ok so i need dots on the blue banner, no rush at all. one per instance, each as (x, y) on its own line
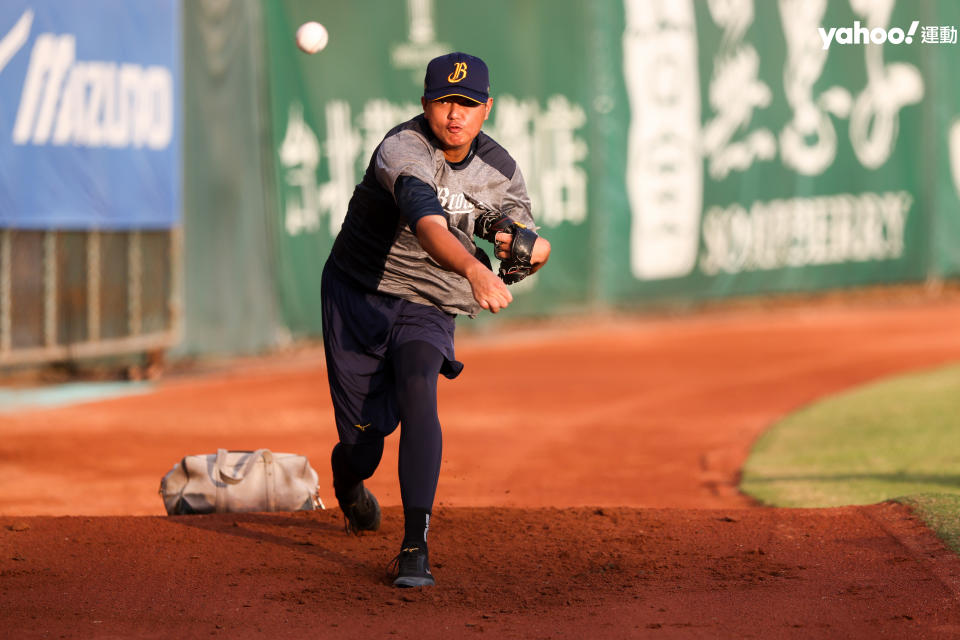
(90, 114)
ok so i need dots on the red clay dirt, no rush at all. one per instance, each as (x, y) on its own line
(588, 490)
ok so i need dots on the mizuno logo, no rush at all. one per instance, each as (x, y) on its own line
(459, 72)
(87, 103)
(362, 427)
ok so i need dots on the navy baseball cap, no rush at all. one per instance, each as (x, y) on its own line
(457, 74)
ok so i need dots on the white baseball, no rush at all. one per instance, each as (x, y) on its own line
(312, 37)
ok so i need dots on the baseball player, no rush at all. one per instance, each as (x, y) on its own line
(403, 266)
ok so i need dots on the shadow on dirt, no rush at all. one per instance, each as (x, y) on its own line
(302, 532)
(952, 481)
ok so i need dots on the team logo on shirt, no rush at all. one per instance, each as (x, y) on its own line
(453, 202)
(459, 72)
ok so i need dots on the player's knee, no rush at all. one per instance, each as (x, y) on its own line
(417, 366)
(418, 385)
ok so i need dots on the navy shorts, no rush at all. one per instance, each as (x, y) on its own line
(360, 331)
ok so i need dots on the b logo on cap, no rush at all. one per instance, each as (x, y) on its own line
(459, 72)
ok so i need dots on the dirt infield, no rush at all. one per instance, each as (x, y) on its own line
(588, 490)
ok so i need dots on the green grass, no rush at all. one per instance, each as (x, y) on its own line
(940, 512)
(896, 439)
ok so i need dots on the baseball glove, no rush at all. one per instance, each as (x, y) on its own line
(489, 222)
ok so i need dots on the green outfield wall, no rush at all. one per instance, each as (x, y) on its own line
(674, 151)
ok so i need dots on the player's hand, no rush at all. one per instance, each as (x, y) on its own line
(488, 290)
(538, 257)
(501, 245)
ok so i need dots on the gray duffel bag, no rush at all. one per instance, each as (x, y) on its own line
(240, 481)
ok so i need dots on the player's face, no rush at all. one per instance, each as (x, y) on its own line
(456, 121)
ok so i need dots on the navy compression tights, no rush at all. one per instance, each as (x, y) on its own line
(416, 367)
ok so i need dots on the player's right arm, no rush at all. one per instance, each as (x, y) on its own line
(420, 208)
(436, 239)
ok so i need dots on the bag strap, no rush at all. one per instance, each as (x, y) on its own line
(271, 480)
(221, 473)
(237, 477)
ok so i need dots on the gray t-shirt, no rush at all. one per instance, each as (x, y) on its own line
(376, 247)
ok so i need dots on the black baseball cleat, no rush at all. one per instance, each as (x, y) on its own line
(362, 515)
(412, 567)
